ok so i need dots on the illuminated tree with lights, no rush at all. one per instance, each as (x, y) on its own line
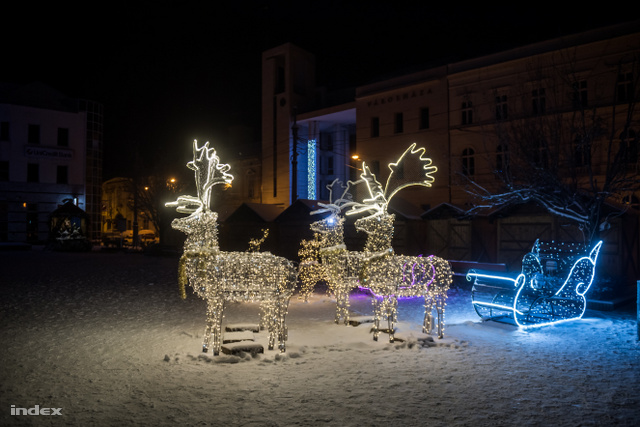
(219, 277)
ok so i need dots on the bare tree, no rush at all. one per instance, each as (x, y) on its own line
(150, 195)
(572, 157)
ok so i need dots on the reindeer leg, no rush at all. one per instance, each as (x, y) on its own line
(207, 334)
(214, 320)
(392, 309)
(440, 308)
(282, 325)
(217, 326)
(377, 313)
(427, 325)
(345, 304)
(338, 305)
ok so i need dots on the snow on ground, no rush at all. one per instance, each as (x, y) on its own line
(105, 337)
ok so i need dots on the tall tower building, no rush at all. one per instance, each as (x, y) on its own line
(288, 76)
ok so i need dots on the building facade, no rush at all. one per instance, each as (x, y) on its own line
(463, 113)
(50, 153)
(453, 110)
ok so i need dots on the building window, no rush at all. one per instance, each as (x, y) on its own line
(540, 154)
(467, 113)
(326, 141)
(4, 171)
(502, 159)
(62, 175)
(629, 147)
(33, 135)
(581, 153)
(4, 131)
(63, 137)
(375, 127)
(538, 102)
(625, 87)
(375, 167)
(468, 162)
(33, 172)
(398, 123)
(424, 118)
(580, 94)
(501, 107)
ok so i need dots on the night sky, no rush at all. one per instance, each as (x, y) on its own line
(170, 72)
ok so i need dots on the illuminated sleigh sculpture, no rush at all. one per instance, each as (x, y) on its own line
(217, 276)
(389, 276)
(551, 287)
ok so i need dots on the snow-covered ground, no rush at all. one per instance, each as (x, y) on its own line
(106, 338)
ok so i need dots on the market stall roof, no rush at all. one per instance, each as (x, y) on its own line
(69, 209)
(255, 212)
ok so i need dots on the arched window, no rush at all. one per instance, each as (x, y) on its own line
(468, 162)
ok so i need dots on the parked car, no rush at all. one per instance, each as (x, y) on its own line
(145, 237)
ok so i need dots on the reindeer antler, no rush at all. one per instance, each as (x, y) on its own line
(208, 172)
(343, 201)
(410, 169)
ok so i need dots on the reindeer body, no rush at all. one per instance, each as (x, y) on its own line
(341, 267)
(389, 276)
(219, 277)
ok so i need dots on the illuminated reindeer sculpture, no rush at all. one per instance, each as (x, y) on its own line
(389, 276)
(340, 266)
(220, 277)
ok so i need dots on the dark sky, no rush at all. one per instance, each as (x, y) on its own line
(170, 72)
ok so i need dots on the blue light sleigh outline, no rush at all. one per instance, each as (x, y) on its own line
(537, 297)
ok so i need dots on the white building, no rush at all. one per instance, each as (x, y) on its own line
(50, 153)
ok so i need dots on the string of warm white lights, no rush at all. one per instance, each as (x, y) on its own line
(219, 277)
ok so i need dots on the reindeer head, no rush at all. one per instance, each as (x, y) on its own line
(201, 220)
(331, 228)
(411, 169)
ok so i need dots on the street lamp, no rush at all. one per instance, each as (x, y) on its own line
(171, 184)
